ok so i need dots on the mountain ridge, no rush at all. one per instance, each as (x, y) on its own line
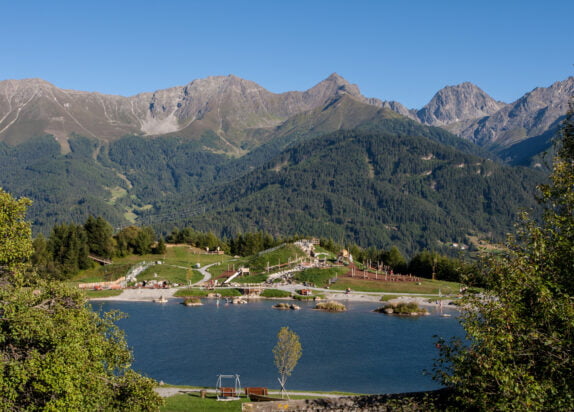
(234, 114)
(33, 107)
(530, 116)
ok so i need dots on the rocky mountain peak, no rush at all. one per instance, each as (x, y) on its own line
(458, 103)
(533, 115)
(336, 85)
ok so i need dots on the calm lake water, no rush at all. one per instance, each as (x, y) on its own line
(356, 351)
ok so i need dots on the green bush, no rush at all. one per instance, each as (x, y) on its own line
(403, 308)
(191, 300)
(301, 297)
(331, 306)
(275, 293)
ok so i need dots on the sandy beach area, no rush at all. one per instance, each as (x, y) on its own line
(142, 295)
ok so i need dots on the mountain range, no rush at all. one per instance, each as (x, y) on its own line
(237, 115)
(224, 154)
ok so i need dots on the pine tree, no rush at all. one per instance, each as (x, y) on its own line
(100, 240)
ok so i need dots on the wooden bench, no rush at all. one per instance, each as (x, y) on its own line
(255, 391)
(227, 392)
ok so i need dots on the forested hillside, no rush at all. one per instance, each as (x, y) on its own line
(62, 187)
(381, 180)
(370, 188)
(116, 181)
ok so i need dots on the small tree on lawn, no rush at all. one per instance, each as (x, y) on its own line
(287, 353)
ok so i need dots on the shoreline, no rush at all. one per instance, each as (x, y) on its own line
(141, 295)
(149, 295)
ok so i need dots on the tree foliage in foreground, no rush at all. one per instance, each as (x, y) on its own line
(15, 233)
(520, 353)
(56, 353)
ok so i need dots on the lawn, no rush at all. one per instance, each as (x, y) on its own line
(275, 293)
(427, 286)
(320, 277)
(176, 256)
(103, 273)
(102, 293)
(258, 263)
(173, 274)
(186, 255)
(192, 402)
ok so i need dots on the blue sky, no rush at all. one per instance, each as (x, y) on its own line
(393, 50)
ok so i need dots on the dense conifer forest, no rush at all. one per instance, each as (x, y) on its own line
(391, 182)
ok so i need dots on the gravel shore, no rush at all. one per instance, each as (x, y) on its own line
(142, 295)
(148, 295)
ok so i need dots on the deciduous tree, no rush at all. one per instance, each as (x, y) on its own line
(520, 350)
(287, 353)
(15, 233)
(55, 352)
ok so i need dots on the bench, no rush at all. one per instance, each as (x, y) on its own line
(227, 392)
(256, 391)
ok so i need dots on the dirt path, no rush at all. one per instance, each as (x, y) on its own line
(205, 273)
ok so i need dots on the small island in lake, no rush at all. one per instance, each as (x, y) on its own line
(331, 306)
(403, 308)
(192, 301)
(286, 306)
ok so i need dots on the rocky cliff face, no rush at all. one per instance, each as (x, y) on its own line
(535, 113)
(454, 104)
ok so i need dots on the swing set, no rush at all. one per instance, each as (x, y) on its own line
(228, 393)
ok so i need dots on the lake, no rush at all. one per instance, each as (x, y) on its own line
(354, 351)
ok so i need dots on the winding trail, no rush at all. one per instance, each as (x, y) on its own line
(205, 273)
(146, 295)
